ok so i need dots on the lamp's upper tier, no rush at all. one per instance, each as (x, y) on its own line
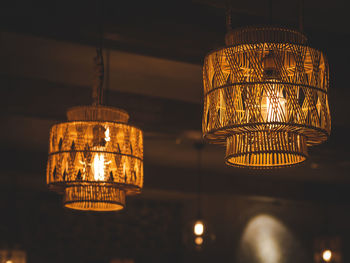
(253, 35)
(97, 113)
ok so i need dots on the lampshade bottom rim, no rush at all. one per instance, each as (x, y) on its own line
(94, 206)
(230, 160)
(266, 149)
(94, 198)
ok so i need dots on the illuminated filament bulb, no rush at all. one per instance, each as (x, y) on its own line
(99, 167)
(327, 255)
(107, 138)
(273, 102)
(273, 106)
(198, 228)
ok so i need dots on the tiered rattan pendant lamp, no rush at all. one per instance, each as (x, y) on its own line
(266, 97)
(96, 157)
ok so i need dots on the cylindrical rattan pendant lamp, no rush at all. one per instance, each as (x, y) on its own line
(266, 97)
(96, 157)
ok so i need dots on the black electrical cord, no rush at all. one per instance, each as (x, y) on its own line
(199, 147)
(97, 92)
(228, 15)
(270, 11)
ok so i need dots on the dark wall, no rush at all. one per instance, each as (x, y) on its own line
(264, 230)
(146, 231)
(153, 228)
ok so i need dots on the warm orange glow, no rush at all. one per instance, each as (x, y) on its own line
(265, 97)
(273, 107)
(9, 261)
(265, 149)
(198, 241)
(99, 167)
(107, 138)
(327, 255)
(198, 228)
(95, 159)
(109, 199)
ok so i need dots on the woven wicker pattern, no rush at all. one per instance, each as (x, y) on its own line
(91, 155)
(99, 112)
(255, 149)
(266, 86)
(94, 197)
(252, 35)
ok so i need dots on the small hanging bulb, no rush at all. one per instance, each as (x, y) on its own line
(99, 167)
(273, 103)
(327, 255)
(107, 138)
(198, 228)
(198, 241)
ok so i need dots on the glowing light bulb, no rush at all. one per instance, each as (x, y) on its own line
(198, 241)
(273, 106)
(99, 167)
(327, 255)
(9, 261)
(198, 228)
(107, 138)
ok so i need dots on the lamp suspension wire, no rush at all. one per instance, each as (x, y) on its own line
(199, 146)
(97, 91)
(107, 75)
(228, 15)
(301, 15)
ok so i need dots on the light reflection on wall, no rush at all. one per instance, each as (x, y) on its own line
(266, 240)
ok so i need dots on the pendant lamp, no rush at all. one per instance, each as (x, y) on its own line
(95, 157)
(266, 97)
(199, 227)
(199, 233)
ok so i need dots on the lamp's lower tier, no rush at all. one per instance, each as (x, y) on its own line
(94, 197)
(265, 149)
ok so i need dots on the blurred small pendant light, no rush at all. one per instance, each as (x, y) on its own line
(202, 233)
(12, 252)
(266, 96)
(199, 227)
(13, 256)
(96, 157)
(328, 245)
(327, 249)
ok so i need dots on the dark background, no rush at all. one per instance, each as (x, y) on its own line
(155, 51)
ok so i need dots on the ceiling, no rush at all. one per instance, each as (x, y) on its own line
(155, 50)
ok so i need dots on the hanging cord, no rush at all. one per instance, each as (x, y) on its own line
(97, 90)
(199, 146)
(301, 15)
(107, 75)
(13, 223)
(228, 15)
(327, 226)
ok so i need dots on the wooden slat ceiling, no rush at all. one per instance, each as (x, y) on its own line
(156, 50)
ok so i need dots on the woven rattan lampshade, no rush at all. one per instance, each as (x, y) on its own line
(266, 97)
(95, 159)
